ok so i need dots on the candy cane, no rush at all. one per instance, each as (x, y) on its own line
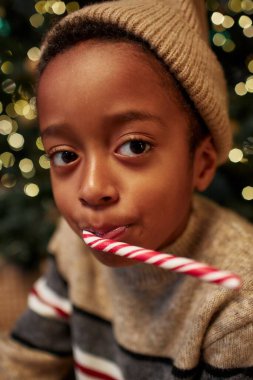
(164, 260)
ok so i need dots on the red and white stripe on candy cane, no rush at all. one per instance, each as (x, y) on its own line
(164, 260)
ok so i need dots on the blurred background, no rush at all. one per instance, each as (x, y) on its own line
(27, 211)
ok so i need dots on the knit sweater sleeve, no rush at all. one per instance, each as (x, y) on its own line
(228, 346)
(231, 356)
(39, 345)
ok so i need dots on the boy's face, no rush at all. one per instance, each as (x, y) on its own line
(118, 144)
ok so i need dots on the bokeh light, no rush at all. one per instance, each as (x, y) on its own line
(44, 162)
(217, 18)
(7, 67)
(39, 144)
(228, 22)
(37, 20)
(235, 155)
(235, 5)
(58, 7)
(245, 21)
(27, 168)
(5, 125)
(240, 89)
(16, 141)
(8, 159)
(247, 193)
(31, 190)
(219, 39)
(8, 86)
(8, 180)
(250, 66)
(72, 6)
(34, 54)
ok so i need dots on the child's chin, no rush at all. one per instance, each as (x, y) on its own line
(112, 260)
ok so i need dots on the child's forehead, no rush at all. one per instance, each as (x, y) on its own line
(134, 58)
(106, 79)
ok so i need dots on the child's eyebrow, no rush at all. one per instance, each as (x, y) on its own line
(118, 118)
(53, 130)
(133, 115)
(122, 118)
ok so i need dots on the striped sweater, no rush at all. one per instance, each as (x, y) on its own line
(88, 321)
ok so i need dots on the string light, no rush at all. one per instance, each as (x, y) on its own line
(250, 66)
(240, 89)
(16, 141)
(37, 20)
(34, 54)
(39, 144)
(26, 167)
(72, 6)
(249, 84)
(235, 5)
(7, 159)
(248, 32)
(245, 21)
(247, 193)
(219, 39)
(8, 86)
(14, 125)
(7, 67)
(44, 162)
(8, 180)
(229, 46)
(32, 103)
(247, 5)
(228, 22)
(19, 106)
(59, 7)
(217, 18)
(5, 126)
(31, 190)
(235, 155)
(40, 7)
(10, 110)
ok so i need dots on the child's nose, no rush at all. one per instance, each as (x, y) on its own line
(97, 187)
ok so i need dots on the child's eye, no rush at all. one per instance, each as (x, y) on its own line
(134, 148)
(63, 158)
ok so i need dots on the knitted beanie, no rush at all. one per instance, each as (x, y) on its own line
(178, 32)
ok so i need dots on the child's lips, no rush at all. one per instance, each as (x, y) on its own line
(108, 233)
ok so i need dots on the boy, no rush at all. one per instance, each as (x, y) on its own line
(132, 113)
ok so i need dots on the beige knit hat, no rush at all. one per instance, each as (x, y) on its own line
(177, 30)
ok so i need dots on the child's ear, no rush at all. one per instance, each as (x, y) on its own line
(205, 163)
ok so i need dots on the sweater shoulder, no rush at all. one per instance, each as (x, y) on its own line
(226, 239)
(227, 244)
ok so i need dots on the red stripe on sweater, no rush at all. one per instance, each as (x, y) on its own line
(92, 372)
(59, 311)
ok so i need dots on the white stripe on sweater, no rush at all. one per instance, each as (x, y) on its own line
(51, 297)
(40, 308)
(96, 363)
